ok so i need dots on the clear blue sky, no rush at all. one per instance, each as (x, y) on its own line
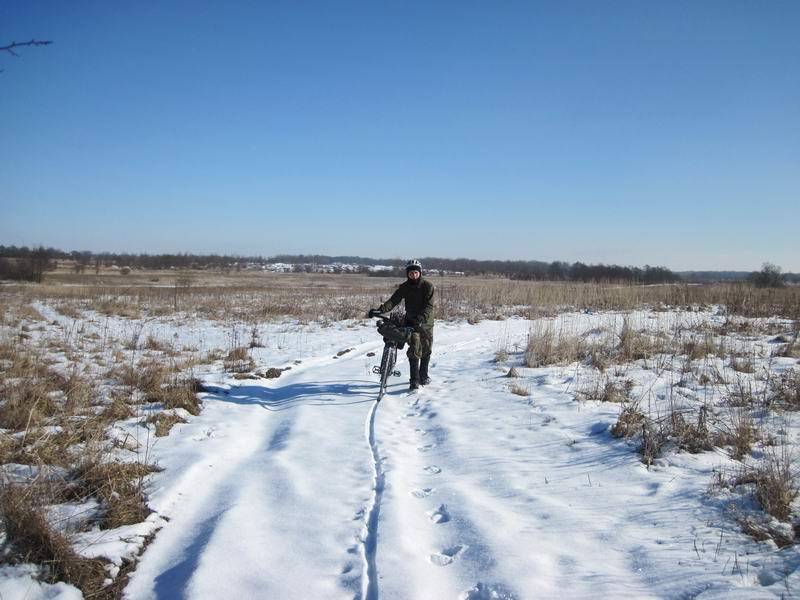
(640, 132)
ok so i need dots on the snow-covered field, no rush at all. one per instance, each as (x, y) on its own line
(303, 487)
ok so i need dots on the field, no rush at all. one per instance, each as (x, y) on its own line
(109, 383)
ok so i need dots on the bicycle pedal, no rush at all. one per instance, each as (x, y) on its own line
(396, 373)
(376, 369)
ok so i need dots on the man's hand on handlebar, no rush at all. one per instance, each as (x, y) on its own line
(373, 312)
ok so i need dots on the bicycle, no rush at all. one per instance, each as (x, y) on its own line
(395, 336)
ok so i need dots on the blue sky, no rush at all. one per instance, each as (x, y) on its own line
(662, 133)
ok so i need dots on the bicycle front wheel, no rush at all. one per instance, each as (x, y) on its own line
(387, 364)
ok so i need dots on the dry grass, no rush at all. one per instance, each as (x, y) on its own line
(159, 382)
(785, 390)
(738, 432)
(164, 422)
(519, 390)
(629, 423)
(697, 348)
(547, 347)
(238, 360)
(694, 437)
(32, 540)
(636, 345)
(119, 486)
(775, 483)
(603, 389)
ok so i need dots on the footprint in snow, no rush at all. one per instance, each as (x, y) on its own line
(432, 470)
(422, 493)
(440, 515)
(446, 556)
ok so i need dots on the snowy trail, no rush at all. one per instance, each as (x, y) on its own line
(304, 487)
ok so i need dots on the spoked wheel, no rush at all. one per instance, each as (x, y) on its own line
(387, 366)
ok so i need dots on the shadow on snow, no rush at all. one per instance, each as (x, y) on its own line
(326, 393)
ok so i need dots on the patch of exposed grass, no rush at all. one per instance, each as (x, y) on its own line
(785, 390)
(737, 432)
(119, 486)
(601, 389)
(164, 422)
(238, 360)
(629, 423)
(547, 347)
(32, 540)
(519, 390)
(775, 483)
(635, 345)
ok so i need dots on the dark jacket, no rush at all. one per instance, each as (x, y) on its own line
(419, 301)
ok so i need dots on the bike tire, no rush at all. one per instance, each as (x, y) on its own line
(386, 369)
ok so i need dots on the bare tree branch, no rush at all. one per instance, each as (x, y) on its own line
(12, 45)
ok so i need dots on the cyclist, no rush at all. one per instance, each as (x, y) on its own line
(418, 295)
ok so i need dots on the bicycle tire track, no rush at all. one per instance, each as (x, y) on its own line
(369, 587)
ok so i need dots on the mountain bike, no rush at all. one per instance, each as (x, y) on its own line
(395, 336)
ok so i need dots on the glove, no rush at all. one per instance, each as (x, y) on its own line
(373, 312)
(412, 322)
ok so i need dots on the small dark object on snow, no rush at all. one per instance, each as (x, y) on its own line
(342, 352)
(272, 373)
(370, 354)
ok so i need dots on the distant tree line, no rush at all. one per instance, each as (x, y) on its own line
(30, 264)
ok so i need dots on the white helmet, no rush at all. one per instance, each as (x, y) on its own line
(414, 265)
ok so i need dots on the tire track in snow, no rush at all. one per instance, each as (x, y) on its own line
(369, 585)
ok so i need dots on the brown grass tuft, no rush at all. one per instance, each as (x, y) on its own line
(239, 360)
(629, 423)
(120, 486)
(32, 539)
(519, 390)
(546, 347)
(164, 422)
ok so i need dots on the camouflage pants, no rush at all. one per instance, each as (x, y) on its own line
(420, 344)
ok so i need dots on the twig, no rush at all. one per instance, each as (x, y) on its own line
(12, 45)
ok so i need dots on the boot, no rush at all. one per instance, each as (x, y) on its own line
(413, 383)
(423, 371)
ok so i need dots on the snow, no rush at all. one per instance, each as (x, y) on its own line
(304, 487)
(271, 491)
(19, 582)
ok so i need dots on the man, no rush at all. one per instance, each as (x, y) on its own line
(417, 292)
